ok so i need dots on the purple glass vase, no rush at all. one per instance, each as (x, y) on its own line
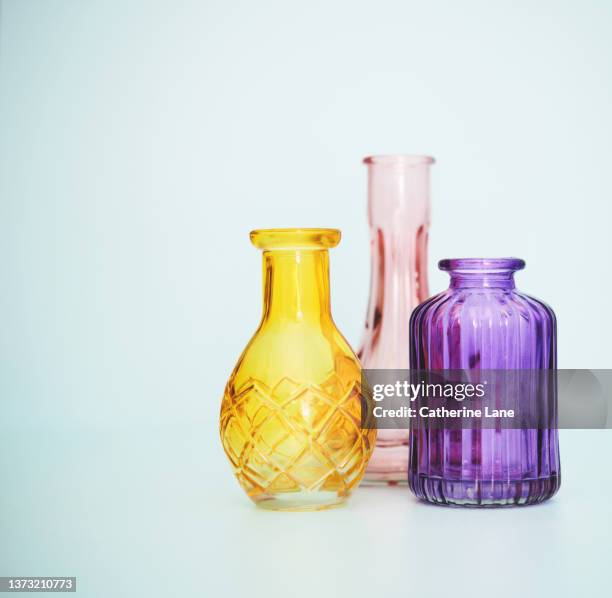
(483, 323)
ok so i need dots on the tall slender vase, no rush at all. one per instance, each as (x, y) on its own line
(291, 412)
(398, 213)
(484, 326)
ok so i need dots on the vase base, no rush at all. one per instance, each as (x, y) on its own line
(299, 501)
(388, 466)
(384, 479)
(483, 494)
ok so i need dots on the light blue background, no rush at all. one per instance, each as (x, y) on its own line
(140, 141)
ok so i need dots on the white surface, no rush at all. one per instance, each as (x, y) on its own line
(144, 513)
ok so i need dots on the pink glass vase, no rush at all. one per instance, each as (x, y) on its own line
(398, 213)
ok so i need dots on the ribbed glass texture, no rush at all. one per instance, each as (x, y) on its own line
(483, 322)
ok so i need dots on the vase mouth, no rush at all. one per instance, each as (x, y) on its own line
(270, 239)
(399, 160)
(481, 265)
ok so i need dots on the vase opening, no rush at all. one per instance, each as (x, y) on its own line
(272, 239)
(399, 160)
(482, 272)
(296, 273)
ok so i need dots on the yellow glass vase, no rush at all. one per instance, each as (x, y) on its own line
(291, 412)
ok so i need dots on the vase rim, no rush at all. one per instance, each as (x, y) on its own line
(295, 238)
(481, 264)
(399, 159)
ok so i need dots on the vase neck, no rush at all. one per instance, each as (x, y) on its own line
(484, 280)
(485, 273)
(296, 285)
(398, 190)
(398, 213)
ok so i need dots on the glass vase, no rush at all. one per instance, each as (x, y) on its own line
(291, 411)
(483, 324)
(398, 214)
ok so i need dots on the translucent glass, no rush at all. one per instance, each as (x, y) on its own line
(398, 213)
(291, 412)
(483, 323)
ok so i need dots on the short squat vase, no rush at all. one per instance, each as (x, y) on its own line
(482, 325)
(291, 413)
(398, 214)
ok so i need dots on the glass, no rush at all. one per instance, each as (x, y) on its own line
(291, 412)
(483, 323)
(398, 214)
